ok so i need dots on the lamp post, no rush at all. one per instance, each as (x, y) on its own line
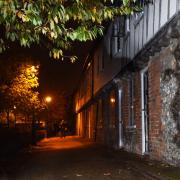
(48, 100)
(14, 115)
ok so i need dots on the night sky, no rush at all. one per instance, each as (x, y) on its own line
(55, 76)
(62, 76)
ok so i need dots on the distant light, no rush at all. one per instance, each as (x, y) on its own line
(112, 100)
(14, 107)
(89, 64)
(43, 124)
(48, 99)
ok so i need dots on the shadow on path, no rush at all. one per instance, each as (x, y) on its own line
(75, 158)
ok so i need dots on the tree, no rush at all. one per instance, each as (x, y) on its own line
(22, 89)
(57, 23)
(6, 76)
(19, 88)
(24, 93)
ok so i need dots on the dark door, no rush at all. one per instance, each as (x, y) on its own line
(146, 116)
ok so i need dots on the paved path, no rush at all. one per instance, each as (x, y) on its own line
(72, 159)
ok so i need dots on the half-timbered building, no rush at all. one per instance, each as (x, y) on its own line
(129, 94)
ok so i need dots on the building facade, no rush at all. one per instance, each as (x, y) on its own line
(129, 96)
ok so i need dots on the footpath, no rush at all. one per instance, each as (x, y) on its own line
(149, 169)
(74, 158)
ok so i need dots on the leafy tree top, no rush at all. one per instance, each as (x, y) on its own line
(57, 23)
(19, 85)
(23, 88)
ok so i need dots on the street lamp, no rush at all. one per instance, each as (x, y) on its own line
(48, 99)
(14, 115)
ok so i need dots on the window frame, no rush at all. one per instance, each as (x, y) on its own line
(131, 92)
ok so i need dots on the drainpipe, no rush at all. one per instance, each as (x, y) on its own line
(117, 82)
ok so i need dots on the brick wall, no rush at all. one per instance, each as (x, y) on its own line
(137, 112)
(105, 123)
(125, 110)
(132, 135)
(113, 102)
(154, 71)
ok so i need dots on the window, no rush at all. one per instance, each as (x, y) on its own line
(131, 102)
(118, 32)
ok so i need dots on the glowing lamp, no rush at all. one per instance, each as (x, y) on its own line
(48, 99)
(112, 100)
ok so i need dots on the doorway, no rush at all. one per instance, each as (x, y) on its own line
(144, 111)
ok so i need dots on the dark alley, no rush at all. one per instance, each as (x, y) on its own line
(74, 158)
(89, 90)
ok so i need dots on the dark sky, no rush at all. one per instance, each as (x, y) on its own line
(58, 75)
(55, 75)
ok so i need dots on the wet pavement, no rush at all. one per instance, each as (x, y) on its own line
(73, 158)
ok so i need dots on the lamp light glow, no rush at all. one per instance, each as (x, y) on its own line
(112, 100)
(48, 99)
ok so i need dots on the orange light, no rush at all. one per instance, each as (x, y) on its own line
(43, 123)
(48, 99)
(112, 100)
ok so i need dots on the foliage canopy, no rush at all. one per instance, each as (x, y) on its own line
(22, 88)
(19, 87)
(57, 23)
